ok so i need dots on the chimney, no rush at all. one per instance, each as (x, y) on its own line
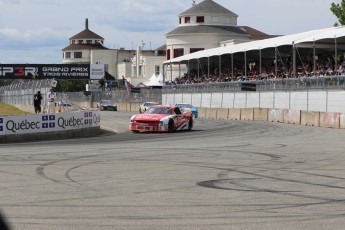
(193, 4)
(86, 24)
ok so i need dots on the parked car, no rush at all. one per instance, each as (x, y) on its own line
(107, 105)
(162, 118)
(143, 107)
(185, 106)
(64, 103)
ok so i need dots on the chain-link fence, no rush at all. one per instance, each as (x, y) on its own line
(117, 96)
(287, 84)
(22, 92)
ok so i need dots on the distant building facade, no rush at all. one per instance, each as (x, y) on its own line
(87, 47)
(204, 26)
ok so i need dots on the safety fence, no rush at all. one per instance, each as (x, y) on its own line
(209, 95)
(286, 84)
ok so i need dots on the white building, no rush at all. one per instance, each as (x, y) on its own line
(204, 26)
(87, 47)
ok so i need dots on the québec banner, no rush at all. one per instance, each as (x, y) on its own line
(52, 71)
(12, 125)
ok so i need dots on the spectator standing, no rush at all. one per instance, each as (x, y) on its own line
(102, 82)
(37, 102)
(51, 101)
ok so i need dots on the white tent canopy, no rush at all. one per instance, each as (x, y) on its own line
(305, 37)
(155, 80)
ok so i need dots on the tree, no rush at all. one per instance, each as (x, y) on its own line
(71, 85)
(339, 11)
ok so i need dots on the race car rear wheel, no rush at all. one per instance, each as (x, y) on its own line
(171, 126)
(190, 124)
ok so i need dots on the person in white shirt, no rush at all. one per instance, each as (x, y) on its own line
(51, 101)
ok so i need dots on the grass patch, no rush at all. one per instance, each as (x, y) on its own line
(6, 109)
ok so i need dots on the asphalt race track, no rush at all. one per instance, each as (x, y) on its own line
(221, 175)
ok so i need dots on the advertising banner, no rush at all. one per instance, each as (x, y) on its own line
(97, 71)
(52, 71)
(12, 125)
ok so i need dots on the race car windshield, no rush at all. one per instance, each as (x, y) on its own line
(159, 110)
(186, 106)
(150, 104)
(106, 102)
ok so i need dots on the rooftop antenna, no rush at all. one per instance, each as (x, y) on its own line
(86, 24)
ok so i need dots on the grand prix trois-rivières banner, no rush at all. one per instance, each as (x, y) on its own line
(52, 71)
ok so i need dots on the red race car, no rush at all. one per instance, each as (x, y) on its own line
(161, 118)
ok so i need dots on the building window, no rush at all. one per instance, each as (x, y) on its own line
(180, 20)
(80, 41)
(187, 20)
(141, 71)
(73, 42)
(157, 70)
(67, 54)
(78, 55)
(200, 19)
(88, 41)
(134, 71)
(168, 54)
(178, 52)
(193, 50)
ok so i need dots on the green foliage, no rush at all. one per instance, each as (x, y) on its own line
(71, 85)
(339, 11)
(5, 82)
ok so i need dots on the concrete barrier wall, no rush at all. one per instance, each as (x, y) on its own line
(330, 120)
(121, 107)
(133, 107)
(59, 135)
(260, 114)
(342, 120)
(211, 113)
(292, 116)
(247, 114)
(234, 114)
(223, 114)
(310, 118)
(276, 115)
(202, 112)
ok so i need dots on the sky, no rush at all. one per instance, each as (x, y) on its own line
(36, 31)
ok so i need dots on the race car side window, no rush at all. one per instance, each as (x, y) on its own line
(177, 110)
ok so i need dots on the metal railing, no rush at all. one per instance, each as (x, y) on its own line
(287, 84)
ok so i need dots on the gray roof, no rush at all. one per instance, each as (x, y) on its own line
(202, 29)
(208, 7)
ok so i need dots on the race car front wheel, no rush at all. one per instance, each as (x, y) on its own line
(190, 124)
(171, 126)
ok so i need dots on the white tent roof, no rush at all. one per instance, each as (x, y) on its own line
(309, 36)
(155, 80)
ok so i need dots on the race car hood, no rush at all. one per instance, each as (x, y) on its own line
(150, 117)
